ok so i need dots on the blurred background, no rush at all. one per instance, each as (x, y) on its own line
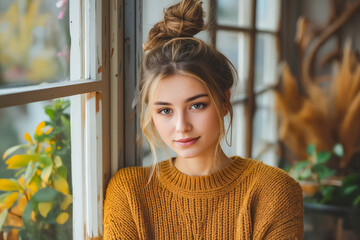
(296, 104)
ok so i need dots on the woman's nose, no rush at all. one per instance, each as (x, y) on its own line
(182, 123)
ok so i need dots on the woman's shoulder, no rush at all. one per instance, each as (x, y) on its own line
(266, 175)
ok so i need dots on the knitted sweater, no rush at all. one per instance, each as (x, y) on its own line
(245, 200)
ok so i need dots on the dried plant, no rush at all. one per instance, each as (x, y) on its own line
(321, 114)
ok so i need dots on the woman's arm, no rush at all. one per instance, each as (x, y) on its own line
(118, 221)
(280, 210)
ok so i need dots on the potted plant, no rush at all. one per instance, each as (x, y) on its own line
(328, 197)
(313, 172)
(36, 201)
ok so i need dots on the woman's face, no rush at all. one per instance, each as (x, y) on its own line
(185, 117)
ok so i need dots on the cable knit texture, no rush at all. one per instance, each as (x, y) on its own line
(245, 200)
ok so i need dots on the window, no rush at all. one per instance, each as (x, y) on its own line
(38, 68)
(247, 32)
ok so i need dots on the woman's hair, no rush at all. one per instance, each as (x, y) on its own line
(172, 49)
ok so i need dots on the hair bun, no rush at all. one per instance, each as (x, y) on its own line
(184, 19)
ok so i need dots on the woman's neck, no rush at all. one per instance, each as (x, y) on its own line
(202, 166)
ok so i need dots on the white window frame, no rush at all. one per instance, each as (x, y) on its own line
(97, 106)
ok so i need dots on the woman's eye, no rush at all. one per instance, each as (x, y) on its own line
(165, 111)
(198, 106)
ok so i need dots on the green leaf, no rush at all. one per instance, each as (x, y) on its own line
(323, 171)
(66, 104)
(37, 180)
(339, 150)
(350, 179)
(299, 166)
(311, 149)
(60, 184)
(322, 157)
(66, 124)
(350, 189)
(12, 150)
(45, 159)
(30, 172)
(57, 161)
(44, 208)
(3, 216)
(18, 173)
(62, 172)
(327, 193)
(26, 216)
(4, 196)
(357, 200)
(305, 175)
(9, 185)
(20, 160)
(49, 111)
(46, 172)
(46, 195)
(10, 200)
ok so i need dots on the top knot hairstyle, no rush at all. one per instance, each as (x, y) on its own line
(171, 50)
(184, 19)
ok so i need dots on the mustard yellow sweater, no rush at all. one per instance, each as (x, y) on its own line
(245, 200)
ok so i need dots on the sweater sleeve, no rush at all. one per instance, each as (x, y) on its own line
(280, 210)
(118, 221)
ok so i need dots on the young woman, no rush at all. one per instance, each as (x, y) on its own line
(201, 193)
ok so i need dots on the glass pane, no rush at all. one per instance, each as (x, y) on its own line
(266, 60)
(238, 132)
(234, 13)
(264, 130)
(235, 46)
(35, 171)
(34, 42)
(268, 14)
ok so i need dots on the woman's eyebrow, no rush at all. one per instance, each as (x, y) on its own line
(196, 97)
(187, 100)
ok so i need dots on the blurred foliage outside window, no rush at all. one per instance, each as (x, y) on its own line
(34, 42)
(35, 203)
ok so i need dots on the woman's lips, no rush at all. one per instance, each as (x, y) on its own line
(187, 141)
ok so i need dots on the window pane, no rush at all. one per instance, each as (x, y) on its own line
(268, 15)
(235, 46)
(238, 132)
(264, 131)
(35, 152)
(266, 60)
(234, 13)
(34, 42)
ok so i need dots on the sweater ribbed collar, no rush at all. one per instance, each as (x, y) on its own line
(222, 180)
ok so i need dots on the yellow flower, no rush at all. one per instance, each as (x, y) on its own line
(44, 208)
(62, 218)
(40, 129)
(27, 137)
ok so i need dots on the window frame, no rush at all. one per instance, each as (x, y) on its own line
(249, 100)
(97, 104)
